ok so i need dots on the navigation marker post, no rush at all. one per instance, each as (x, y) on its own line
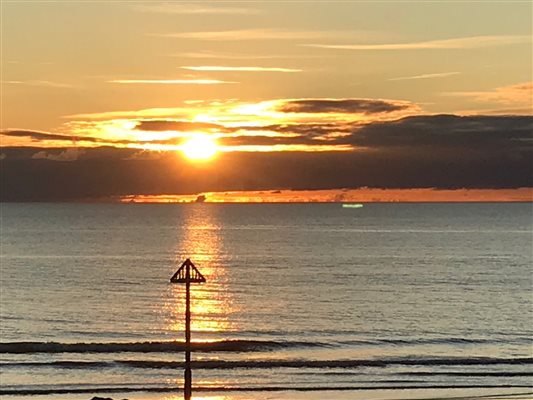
(187, 274)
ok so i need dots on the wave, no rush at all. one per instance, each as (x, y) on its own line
(468, 374)
(437, 341)
(151, 347)
(270, 364)
(235, 345)
(176, 389)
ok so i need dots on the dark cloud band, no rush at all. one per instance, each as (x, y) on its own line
(440, 151)
(344, 106)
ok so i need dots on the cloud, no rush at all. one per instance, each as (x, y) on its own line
(348, 106)
(171, 81)
(248, 34)
(479, 162)
(299, 125)
(471, 42)
(309, 141)
(40, 136)
(176, 125)
(324, 130)
(34, 135)
(439, 151)
(243, 56)
(517, 94)
(438, 135)
(195, 9)
(146, 113)
(233, 112)
(425, 76)
(492, 135)
(451, 135)
(41, 83)
(71, 154)
(499, 111)
(239, 69)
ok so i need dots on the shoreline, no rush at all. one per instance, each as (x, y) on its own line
(213, 393)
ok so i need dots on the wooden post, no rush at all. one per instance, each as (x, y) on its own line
(187, 391)
(187, 274)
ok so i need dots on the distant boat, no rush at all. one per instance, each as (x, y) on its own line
(352, 205)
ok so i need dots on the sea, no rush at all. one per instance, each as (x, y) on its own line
(301, 301)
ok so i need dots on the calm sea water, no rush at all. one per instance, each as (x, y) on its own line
(388, 299)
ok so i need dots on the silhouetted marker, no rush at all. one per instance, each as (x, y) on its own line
(187, 274)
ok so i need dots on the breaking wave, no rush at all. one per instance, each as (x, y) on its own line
(228, 345)
(269, 364)
(149, 347)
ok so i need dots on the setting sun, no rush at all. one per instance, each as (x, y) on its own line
(200, 147)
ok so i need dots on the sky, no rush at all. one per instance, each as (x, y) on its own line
(126, 98)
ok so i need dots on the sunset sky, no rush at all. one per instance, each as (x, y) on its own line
(108, 98)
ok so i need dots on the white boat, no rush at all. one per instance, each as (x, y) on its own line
(352, 205)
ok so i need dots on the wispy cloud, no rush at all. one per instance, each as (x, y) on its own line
(188, 8)
(146, 113)
(234, 112)
(425, 76)
(498, 111)
(218, 55)
(518, 94)
(456, 43)
(171, 81)
(243, 56)
(239, 69)
(248, 34)
(41, 83)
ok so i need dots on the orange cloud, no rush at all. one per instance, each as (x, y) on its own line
(239, 69)
(425, 76)
(195, 9)
(471, 42)
(171, 81)
(247, 34)
(520, 94)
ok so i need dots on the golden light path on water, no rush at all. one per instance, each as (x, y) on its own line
(211, 305)
(215, 397)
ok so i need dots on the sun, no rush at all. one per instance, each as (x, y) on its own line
(199, 147)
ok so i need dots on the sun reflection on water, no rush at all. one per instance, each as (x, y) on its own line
(214, 397)
(201, 241)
